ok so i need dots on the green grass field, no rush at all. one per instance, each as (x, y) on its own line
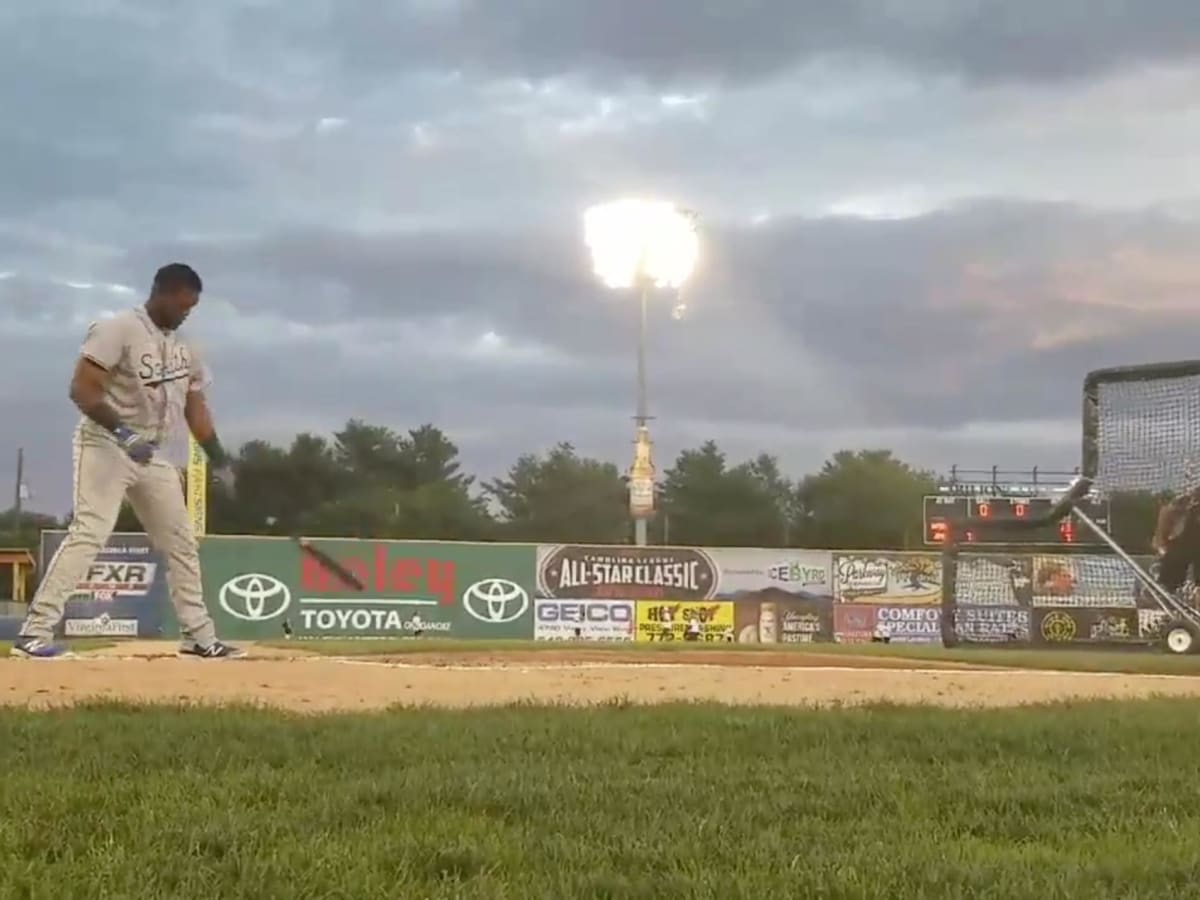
(1094, 801)
(1134, 662)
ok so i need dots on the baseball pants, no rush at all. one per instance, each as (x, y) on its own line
(104, 476)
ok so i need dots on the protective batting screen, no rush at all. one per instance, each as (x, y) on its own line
(1021, 596)
(1141, 427)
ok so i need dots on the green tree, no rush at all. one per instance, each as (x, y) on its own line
(862, 500)
(562, 497)
(705, 502)
(26, 530)
(1132, 518)
(277, 489)
(369, 481)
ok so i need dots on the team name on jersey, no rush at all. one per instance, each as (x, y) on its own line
(154, 370)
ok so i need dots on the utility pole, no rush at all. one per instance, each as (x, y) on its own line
(20, 481)
(19, 491)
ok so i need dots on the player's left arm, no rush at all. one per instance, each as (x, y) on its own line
(198, 414)
(200, 423)
(1166, 527)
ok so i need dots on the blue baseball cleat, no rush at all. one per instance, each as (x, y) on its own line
(36, 648)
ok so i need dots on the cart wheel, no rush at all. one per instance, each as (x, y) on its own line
(1181, 637)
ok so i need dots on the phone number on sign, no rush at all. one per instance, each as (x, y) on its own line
(669, 621)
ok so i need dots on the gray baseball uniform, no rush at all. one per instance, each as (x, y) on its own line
(151, 373)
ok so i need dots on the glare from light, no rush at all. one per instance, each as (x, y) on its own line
(635, 239)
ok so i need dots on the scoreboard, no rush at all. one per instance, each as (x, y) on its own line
(943, 508)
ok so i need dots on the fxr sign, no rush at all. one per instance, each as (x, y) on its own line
(105, 580)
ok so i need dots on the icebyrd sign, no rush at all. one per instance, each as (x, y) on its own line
(256, 585)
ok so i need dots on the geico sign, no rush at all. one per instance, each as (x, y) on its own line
(576, 613)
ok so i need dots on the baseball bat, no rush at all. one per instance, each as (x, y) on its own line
(329, 563)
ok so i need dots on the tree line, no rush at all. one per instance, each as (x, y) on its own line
(369, 480)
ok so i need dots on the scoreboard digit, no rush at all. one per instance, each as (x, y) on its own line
(941, 509)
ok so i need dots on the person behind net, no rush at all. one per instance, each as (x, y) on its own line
(1177, 540)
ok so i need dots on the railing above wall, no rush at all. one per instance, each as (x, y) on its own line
(998, 482)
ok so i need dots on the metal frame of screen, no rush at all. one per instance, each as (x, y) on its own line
(1067, 506)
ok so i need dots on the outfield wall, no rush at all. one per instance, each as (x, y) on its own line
(258, 587)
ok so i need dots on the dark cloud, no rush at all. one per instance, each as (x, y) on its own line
(990, 311)
(681, 41)
(422, 260)
(803, 335)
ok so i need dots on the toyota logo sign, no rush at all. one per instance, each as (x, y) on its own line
(496, 600)
(255, 597)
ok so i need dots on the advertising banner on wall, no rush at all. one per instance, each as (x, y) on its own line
(993, 624)
(1085, 625)
(853, 623)
(780, 596)
(256, 585)
(802, 573)
(627, 573)
(667, 620)
(908, 624)
(776, 617)
(122, 594)
(887, 578)
(584, 620)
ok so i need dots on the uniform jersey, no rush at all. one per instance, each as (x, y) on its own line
(152, 371)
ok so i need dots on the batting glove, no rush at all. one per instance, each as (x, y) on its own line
(140, 450)
(224, 476)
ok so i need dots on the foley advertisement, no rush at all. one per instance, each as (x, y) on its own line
(266, 587)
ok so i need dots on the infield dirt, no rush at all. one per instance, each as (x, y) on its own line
(301, 681)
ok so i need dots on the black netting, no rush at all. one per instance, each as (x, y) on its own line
(992, 580)
(1046, 580)
(1051, 598)
(1147, 434)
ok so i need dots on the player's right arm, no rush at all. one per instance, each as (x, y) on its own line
(89, 386)
(102, 350)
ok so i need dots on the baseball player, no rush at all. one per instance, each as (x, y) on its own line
(1177, 540)
(134, 379)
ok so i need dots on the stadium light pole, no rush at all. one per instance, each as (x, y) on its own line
(643, 245)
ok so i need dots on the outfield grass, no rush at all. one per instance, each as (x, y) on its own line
(1092, 801)
(1133, 661)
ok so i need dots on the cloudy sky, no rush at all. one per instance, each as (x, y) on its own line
(923, 220)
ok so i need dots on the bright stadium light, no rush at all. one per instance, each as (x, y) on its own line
(642, 244)
(635, 242)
